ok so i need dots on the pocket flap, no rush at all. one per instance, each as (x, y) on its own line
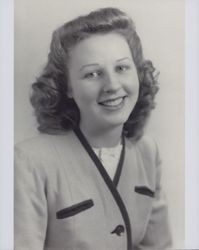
(74, 209)
(144, 190)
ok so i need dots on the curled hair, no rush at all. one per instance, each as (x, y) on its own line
(56, 112)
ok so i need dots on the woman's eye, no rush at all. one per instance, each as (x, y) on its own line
(122, 68)
(93, 74)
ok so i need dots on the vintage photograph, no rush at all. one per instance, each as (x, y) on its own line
(99, 134)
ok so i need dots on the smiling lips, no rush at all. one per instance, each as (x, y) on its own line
(113, 103)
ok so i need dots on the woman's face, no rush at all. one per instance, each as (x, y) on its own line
(103, 81)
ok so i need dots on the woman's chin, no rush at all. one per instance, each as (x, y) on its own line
(114, 121)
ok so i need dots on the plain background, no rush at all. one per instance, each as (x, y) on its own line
(160, 25)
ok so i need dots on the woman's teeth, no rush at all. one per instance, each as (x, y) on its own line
(112, 102)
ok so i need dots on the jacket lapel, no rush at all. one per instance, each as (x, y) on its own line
(137, 190)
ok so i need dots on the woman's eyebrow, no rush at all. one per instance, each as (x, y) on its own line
(97, 64)
(124, 58)
(88, 65)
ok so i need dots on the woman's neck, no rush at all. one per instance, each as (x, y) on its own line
(108, 137)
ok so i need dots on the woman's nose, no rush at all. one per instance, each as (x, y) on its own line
(111, 82)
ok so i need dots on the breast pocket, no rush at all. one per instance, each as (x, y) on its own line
(74, 209)
(144, 191)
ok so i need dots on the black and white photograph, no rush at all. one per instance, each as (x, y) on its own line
(99, 125)
(100, 152)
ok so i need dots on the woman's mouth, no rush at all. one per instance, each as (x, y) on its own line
(114, 103)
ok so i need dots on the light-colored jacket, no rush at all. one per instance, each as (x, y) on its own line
(63, 201)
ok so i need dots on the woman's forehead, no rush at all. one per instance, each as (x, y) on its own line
(100, 47)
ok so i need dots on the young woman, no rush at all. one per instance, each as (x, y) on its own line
(91, 179)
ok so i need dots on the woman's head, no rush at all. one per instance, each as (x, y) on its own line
(103, 82)
(55, 107)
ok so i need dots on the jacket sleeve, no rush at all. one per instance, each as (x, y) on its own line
(30, 208)
(157, 236)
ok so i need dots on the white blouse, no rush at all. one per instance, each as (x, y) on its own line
(109, 157)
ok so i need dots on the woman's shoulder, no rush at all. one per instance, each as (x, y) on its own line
(43, 144)
(147, 143)
(147, 147)
(43, 153)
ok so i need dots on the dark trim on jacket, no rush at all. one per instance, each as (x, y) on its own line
(110, 185)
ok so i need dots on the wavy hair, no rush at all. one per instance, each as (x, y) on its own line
(55, 111)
